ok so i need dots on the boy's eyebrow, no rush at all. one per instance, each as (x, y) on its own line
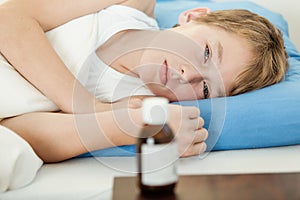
(220, 52)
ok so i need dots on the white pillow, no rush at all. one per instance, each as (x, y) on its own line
(18, 162)
(18, 96)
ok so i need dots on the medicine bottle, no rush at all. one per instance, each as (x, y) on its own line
(157, 150)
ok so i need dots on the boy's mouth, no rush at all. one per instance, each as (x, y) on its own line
(164, 73)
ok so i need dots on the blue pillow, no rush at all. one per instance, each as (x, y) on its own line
(264, 118)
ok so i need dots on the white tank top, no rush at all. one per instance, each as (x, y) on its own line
(91, 32)
(109, 85)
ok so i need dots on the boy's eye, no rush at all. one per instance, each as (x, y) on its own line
(206, 53)
(205, 90)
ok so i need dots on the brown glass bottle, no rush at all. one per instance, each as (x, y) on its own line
(157, 151)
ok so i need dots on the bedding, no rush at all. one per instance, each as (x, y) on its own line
(267, 117)
(92, 178)
(18, 164)
(258, 119)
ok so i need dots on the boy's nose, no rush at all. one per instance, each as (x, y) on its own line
(188, 74)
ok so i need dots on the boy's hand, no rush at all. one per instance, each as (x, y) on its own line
(188, 129)
(185, 122)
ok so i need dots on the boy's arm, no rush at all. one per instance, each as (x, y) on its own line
(50, 14)
(58, 136)
(147, 6)
(25, 46)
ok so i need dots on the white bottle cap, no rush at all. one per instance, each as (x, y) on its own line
(155, 110)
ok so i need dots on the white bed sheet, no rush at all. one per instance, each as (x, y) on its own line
(90, 178)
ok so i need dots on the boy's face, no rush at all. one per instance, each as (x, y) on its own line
(194, 61)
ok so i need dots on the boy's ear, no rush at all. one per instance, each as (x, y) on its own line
(191, 14)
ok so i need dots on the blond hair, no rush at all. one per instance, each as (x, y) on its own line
(269, 63)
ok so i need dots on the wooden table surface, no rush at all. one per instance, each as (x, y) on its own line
(245, 186)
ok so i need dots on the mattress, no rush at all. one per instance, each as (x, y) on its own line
(92, 178)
